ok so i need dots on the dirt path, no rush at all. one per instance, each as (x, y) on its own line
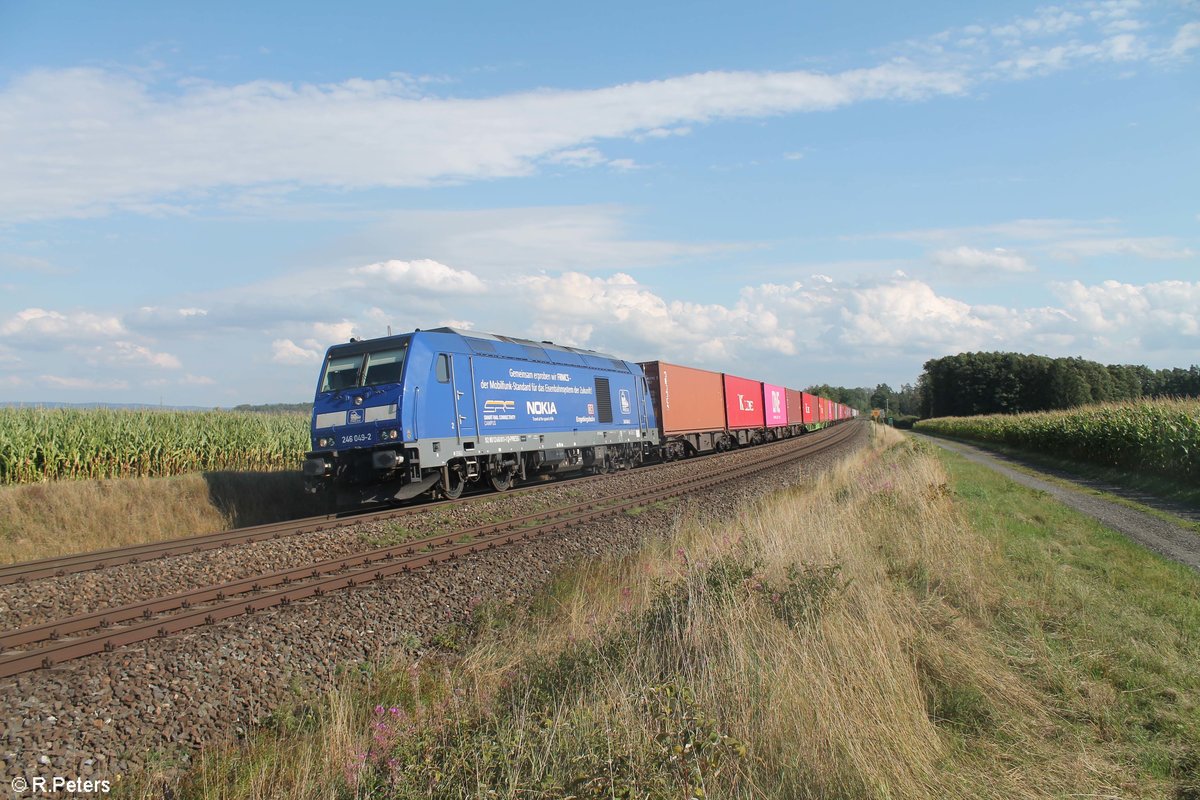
(1165, 538)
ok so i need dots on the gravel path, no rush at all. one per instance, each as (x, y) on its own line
(1165, 538)
(138, 706)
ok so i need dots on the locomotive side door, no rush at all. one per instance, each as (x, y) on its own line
(643, 405)
(462, 380)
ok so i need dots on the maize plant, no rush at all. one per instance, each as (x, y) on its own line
(1159, 436)
(42, 444)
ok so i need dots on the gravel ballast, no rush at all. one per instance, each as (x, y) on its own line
(102, 715)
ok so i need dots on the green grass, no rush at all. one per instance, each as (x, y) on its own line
(1150, 485)
(393, 534)
(1098, 621)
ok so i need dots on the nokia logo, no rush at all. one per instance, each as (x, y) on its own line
(540, 407)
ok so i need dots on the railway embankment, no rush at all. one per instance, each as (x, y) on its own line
(148, 709)
(910, 624)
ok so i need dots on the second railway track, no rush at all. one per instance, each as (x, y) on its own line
(59, 641)
(58, 566)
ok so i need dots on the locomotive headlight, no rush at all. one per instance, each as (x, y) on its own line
(324, 442)
(393, 435)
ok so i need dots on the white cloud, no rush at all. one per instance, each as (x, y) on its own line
(82, 141)
(73, 382)
(1019, 229)
(423, 274)
(18, 262)
(285, 351)
(1157, 248)
(333, 331)
(1165, 311)
(497, 242)
(577, 157)
(1186, 40)
(130, 353)
(1062, 239)
(976, 260)
(38, 327)
(619, 313)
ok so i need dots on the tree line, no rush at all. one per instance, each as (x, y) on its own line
(1006, 383)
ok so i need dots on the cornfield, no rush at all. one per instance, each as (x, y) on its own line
(39, 444)
(1160, 436)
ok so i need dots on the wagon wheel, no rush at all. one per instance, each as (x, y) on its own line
(452, 486)
(500, 476)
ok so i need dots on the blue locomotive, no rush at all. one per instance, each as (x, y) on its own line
(438, 410)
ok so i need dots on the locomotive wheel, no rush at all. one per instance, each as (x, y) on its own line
(453, 489)
(502, 479)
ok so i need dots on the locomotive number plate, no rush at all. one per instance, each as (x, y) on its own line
(356, 438)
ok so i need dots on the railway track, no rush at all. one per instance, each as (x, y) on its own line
(63, 640)
(133, 554)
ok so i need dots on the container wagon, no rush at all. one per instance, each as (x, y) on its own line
(689, 405)
(745, 420)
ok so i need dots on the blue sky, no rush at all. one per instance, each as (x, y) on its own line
(196, 200)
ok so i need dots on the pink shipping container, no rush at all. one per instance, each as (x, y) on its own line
(686, 400)
(743, 403)
(775, 408)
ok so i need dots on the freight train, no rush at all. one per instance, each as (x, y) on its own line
(432, 412)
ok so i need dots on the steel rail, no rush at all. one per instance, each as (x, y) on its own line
(334, 574)
(57, 566)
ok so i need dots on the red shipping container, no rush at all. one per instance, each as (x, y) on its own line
(686, 400)
(795, 406)
(775, 408)
(810, 408)
(743, 403)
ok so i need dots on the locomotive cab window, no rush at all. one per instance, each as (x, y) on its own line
(384, 367)
(341, 372)
(363, 369)
(443, 368)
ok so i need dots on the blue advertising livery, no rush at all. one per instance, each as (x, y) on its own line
(438, 410)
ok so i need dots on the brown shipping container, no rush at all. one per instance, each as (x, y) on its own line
(686, 400)
(795, 407)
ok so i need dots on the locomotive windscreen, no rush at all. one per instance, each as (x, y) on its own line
(363, 369)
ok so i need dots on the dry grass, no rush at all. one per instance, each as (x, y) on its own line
(59, 517)
(839, 640)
